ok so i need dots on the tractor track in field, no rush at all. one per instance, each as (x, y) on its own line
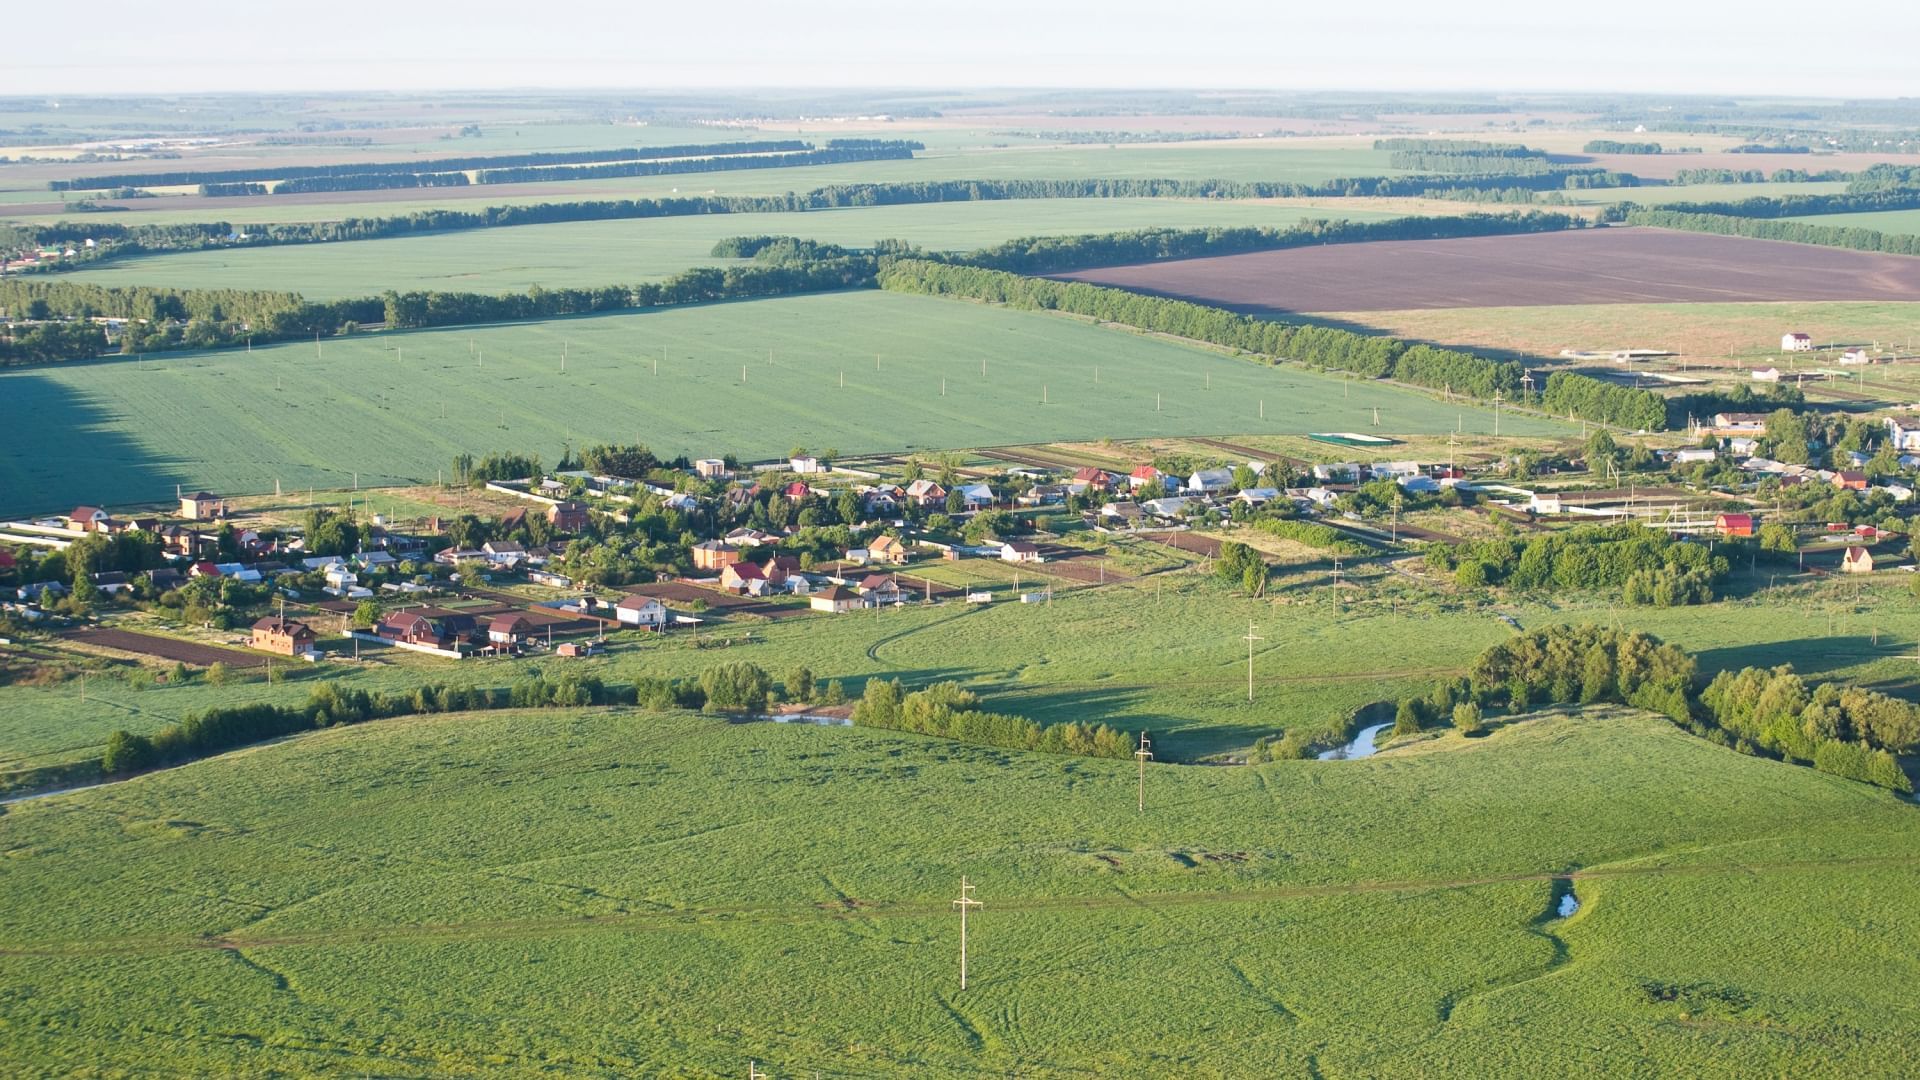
(701, 919)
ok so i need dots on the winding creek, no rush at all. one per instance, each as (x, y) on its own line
(1361, 746)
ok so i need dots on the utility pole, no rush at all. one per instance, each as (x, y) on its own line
(966, 901)
(1496, 414)
(1142, 755)
(1250, 639)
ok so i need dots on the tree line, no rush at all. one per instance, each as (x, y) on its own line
(1428, 161)
(1059, 254)
(1614, 146)
(1318, 346)
(452, 164)
(1456, 146)
(880, 151)
(945, 710)
(1798, 232)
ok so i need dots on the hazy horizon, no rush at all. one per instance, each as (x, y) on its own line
(1392, 46)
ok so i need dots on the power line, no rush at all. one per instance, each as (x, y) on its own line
(1250, 639)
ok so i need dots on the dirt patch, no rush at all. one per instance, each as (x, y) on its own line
(186, 652)
(1590, 266)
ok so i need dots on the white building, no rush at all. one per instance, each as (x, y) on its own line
(643, 611)
(1796, 342)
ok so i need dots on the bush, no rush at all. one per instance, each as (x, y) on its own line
(1466, 717)
(126, 753)
(740, 687)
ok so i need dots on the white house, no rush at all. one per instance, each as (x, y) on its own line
(1767, 374)
(1904, 434)
(507, 553)
(1855, 357)
(1210, 480)
(976, 496)
(712, 468)
(1257, 496)
(1693, 454)
(1339, 471)
(1796, 342)
(804, 465)
(1743, 447)
(1395, 469)
(1171, 507)
(1543, 504)
(642, 611)
(1425, 485)
(1018, 551)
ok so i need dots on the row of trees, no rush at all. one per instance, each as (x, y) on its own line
(877, 151)
(947, 711)
(1614, 146)
(1531, 163)
(328, 704)
(1456, 146)
(1057, 254)
(1319, 346)
(1757, 176)
(1574, 395)
(1799, 232)
(434, 165)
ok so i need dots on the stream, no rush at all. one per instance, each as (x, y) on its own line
(1361, 746)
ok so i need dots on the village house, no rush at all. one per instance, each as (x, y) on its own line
(1743, 447)
(750, 538)
(1171, 508)
(796, 491)
(1903, 434)
(1858, 560)
(1739, 423)
(1734, 526)
(568, 517)
(1855, 358)
(887, 549)
(434, 629)
(1121, 515)
(1693, 455)
(201, 506)
(804, 465)
(880, 589)
(1210, 480)
(1019, 551)
(710, 468)
(975, 496)
(1850, 480)
(1043, 495)
(1096, 479)
(714, 555)
(1341, 472)
(88, 519)
(1142, 475)
(1260, 496)
(750, 580)
(283, 636)
(509, 631)
(505, 554)
(645, 612)
(835, 599)
(1766, 374)
(926, 493)
(1796, 342)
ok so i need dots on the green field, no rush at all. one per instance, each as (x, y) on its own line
(1890, 221)
(669, 894)
(1302, 161)
(1081, 658)
(119, 431)
(606, 252)
(1701, 192)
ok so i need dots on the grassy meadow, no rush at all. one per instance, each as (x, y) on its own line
(122, 431)
(604, 252)
(677, 894)
(1161, 653)
(1888, 221)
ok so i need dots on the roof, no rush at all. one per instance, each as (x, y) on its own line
(1737, 519)
(637, 603)
(1853, 475)
(1089, 474)
(1855, 553)
(835, 593)
(199, 496)
(1021, 546)
(745, 571)
(508, 621)
(289, 627)
(504, 547)
(87, 513)
(1144, 472)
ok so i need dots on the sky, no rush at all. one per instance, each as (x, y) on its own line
(1768, 47)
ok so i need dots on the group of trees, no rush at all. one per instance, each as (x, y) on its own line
(1313, 534)
(1318, 346)
(1058, 254)
(1614, 146)
(947, 711)
(1241, 565)
(1575, 395)
(1529, 163)
(1857, 731)
(1649, 565)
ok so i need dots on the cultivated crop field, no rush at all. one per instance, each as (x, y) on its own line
(607, 252)
(1743, 332)
(1594, 266)
(672, 893)
(117, 431)
(1889, 221)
